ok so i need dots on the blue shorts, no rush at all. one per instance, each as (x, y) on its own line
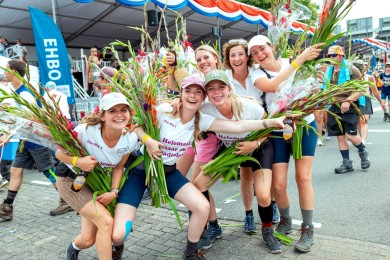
(282, 150)
(385, 94)
(134, 186)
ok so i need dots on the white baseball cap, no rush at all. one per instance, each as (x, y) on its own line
(257, 40)
(112, 99)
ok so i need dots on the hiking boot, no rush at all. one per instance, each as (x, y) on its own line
(365, 160)
(204, 242)
(249, 224)
(62, 208)
(285, 226)
(272, 243)
(71, 253)
(3, 183)
(275, 214)
(346, 166)
(214, 232)
(197, 256)
(306, 241)
(6, 211)
(117, 251)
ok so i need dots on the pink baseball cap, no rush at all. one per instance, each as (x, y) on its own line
(192, 80)
(105, 71)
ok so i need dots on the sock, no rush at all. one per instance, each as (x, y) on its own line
(50, 174)
(207, 195)
(247, 212)
(285, 212)
(10, 197)
(360, 147)
(273, 202)
(214, 223)
(265, 215)
(345, 154)
(307, 216)
(192, 248)
(75, 247)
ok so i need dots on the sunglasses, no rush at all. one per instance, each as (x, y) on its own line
(333, 55)
(239, 41)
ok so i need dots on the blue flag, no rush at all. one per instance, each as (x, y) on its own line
(52, 55)
(373, 59)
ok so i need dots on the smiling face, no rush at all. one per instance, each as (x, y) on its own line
(116, 117)
(192, 97)
(206, 61)
(218, 92)
(263, 54)
(238, 58)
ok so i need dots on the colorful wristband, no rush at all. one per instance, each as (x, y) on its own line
(171, 71)
(295, 65)
(74, 160)
(146, 137)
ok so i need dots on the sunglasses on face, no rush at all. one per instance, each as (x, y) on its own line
(239, 41)
(333, 55)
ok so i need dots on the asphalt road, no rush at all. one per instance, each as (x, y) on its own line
(354, 205)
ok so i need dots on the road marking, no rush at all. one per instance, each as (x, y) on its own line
(377, 109)
(227, 201)
(216, 209)
(45, 240)
(41, 182)
(379, 130)
(299, 222)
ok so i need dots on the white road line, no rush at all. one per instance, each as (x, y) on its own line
(377, 109)
(41, 182)
(182, 206)
(299, 222)
(379, 130)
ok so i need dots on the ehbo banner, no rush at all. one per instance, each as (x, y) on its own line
(52, 55)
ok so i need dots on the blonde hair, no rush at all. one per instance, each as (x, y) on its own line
(211, 50)
(94, 119)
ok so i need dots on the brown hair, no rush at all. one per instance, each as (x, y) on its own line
(18, 65)
(94, 119)
(226, 53)
(210, 49)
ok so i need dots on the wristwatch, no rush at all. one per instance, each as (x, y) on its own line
(258, 143)
(116, 191)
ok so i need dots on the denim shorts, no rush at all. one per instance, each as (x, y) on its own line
(42, 157)
(134, 186)
(282, 150)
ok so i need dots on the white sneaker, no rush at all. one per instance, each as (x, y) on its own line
(364, 142)
(319, 142)
(3, 183)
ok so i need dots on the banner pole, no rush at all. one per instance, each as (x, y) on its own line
(53, 7)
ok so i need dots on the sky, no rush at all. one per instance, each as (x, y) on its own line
(366, 8)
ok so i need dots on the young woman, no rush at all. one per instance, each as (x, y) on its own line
(178, 130)
(275, 71)
(103, 137)
(239, 68)
(223, 104)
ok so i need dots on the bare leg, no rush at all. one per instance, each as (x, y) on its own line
(246, 185)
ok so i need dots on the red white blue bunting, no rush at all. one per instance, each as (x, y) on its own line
(374, 44)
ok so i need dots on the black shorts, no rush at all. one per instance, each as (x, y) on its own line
(348, 121)
(264, 154)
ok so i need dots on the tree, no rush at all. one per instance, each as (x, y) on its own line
(266, 5)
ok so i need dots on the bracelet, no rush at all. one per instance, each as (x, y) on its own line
(264, 123)
(171, 71)
(295, 65)
(74, 160)
(146, 137)
(116, 191)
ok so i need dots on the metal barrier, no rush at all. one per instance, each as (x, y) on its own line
(85, 106)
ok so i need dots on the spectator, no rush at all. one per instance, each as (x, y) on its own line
(104, 76)
(20, 51)
(2, 47)
(93, 63)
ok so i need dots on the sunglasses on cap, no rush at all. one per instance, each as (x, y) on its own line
(334, 55)
(239, 41)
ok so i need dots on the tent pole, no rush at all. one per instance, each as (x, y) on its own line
(83, 70)
(219, 39)
(53, 7)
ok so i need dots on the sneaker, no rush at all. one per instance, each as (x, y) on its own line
(272, 243)
(147, 194)
(365, 160)
(62, 208)
(117, 251)
(204, 242)
(3, 183)
(249, 224)
(275, 214)
(197, 256)
(346, 166)
(319, 142)
(214, 233)
(285, 226)
(6, 211)
(385, 117)
(306, 241)
(71, 253)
